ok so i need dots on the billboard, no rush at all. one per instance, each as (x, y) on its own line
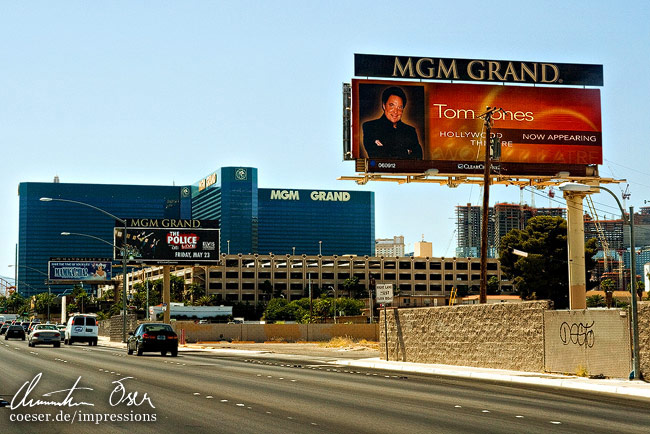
(407, 127)
(169, 241)
(79, 271)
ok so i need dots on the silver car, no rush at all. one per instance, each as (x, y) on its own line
(45, 334)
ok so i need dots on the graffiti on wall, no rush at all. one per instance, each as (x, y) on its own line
(577, 334)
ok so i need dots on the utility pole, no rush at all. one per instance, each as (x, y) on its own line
(487, 117)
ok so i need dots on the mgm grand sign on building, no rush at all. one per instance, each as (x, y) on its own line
(328, 196)
(398, 125)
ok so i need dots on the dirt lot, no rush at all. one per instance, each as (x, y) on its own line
(342, 350)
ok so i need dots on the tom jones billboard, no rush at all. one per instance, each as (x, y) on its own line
(169, 241)
(406, 127)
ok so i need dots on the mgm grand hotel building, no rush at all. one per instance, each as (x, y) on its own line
(292, 238)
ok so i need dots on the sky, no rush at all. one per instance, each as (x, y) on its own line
(165, 92)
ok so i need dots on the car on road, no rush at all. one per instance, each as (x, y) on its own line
(153, 337)
(32, 323)
(15, 331)
(4, 328)
(81, 328)
(61, 328)
(44, 334)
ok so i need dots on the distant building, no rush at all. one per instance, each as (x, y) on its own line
(180, 311)
(418, 281)
(617, 233)
(642, 258)
(502, 218)
(390, 247)
(423, 249)
(252, 220)
(491, 299)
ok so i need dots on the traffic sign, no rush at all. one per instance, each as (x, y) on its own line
(384, 293)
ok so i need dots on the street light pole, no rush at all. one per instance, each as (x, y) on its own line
(124, 263)
(49, 292)
(574, 186)
(124, 251)
(320, 248)
(634, 307)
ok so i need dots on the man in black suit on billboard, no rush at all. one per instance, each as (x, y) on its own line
(389, 137)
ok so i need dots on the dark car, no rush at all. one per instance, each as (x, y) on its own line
(4, 328)
(152, 337)
(15, 331)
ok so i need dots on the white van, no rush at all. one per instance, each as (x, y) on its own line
(81, 328)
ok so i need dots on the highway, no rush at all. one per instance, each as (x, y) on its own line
(101, 389)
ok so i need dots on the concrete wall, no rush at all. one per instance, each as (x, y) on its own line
(506, 336)
(520, 336)
(594, 342)
(274, 332)
(113, 327)
(644, 338)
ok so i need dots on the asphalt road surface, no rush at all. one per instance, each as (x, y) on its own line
(99, 389)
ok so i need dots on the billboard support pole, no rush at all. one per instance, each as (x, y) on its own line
(166, 293)
(125, 259)
(487, 116)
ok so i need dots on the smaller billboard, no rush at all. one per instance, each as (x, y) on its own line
(169, 241)
(79, 271)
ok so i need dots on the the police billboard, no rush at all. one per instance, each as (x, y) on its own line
(406, 127)
(169, 241)
(79, 271)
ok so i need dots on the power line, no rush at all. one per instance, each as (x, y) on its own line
(628, 168)
(567, 206)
